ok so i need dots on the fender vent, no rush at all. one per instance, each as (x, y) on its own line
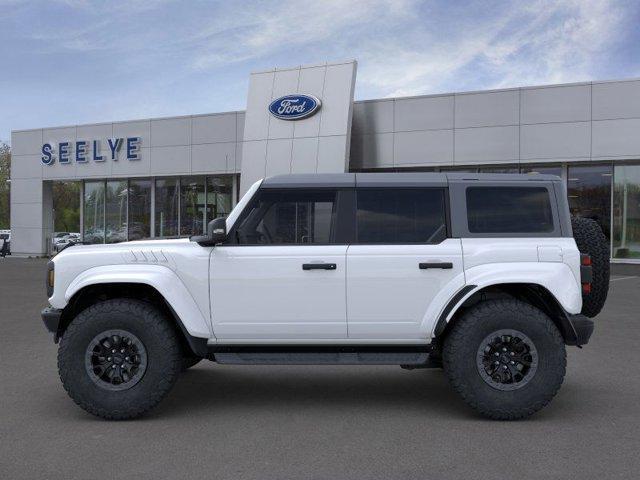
(146, 256)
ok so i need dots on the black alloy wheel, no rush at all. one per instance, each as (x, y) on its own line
(507, 359)
(116, 360)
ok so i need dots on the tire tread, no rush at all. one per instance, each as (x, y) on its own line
(154, 321)
(463, 329)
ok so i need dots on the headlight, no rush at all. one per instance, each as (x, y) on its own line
(50, 278)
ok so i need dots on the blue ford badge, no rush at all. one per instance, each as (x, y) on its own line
(294, 107)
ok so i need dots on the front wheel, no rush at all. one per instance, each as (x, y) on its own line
(505, 358)
(119, 358)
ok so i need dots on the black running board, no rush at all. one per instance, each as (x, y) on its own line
(321, 355)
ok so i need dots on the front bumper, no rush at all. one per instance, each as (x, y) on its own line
(51, 318)
(582, 327)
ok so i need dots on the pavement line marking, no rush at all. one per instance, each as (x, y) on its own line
(620, 278)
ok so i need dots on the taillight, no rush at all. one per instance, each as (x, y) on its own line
(586, 273)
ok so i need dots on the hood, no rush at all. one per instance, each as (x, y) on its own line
(99, 248)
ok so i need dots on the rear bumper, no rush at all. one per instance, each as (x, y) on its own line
(51, 319)
(582, 327)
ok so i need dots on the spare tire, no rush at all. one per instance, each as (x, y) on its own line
(591, 240)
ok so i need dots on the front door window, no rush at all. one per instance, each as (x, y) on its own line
(289, 218)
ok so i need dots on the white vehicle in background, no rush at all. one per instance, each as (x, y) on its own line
(5, 242)
(61, 241)
(486, 276)
(57, 236)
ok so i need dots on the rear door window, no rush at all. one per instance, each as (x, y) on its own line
(498, 209)
(401, 216)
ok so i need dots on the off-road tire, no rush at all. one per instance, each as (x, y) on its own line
(465, 338)
(151, 327)
(591, 240)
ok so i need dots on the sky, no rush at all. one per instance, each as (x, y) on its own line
(76, 61)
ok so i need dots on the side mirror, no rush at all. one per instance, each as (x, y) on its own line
(216, 233)
(217, 230)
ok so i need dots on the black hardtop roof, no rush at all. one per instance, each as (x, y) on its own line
(387, 179)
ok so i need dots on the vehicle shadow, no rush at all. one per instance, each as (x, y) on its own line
(289, 388)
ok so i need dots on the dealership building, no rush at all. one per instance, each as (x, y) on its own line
(167, 177)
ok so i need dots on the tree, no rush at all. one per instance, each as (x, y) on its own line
(66, 205)
(5, 169)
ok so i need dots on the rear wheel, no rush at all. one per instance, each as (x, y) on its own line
(505, 358)
(119, 358)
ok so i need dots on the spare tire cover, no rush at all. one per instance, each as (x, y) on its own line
(591, 240)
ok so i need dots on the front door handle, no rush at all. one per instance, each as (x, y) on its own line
(443, 265)
(319, 266)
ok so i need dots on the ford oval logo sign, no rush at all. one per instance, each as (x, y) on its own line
(294, 107)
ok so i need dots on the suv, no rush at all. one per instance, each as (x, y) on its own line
(476, 274)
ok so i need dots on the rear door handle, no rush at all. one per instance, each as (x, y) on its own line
(319, 266)
(443, 265)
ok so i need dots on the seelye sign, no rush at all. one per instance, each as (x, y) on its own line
(82, 151)
(294, 107)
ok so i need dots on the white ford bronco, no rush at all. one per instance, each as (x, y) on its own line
(482, 275)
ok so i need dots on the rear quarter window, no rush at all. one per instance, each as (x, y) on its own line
(509, 210)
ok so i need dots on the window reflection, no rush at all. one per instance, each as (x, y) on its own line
(120, 210)
(219, 196)
(542, 169)
(66, 206)
(626, 211)
(192, 206)
(459, 169)
(139, 225)
(93, 222)
(589, 189)
(116, 211)
(499, 169)
(166, 213)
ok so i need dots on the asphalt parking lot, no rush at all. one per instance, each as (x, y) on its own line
(238, 422)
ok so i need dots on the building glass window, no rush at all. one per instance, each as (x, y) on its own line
(589, 189)
(121, 210)
(542, 169)
(626, 212)
(139, 222)
(93, 222)
(116, 211)
(499, 169)
(192, 206)
(166, 207)
(66, 207)
(459, 169)
(219, 196)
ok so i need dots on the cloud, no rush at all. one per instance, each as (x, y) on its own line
(263, 29)
(404, 47)
(546, 42)
(410, 47)
(143, 58)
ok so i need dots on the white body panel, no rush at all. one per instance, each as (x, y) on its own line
(388, 294)
(262, 292)
(553, 263)
(178, 269)
(376, 294)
